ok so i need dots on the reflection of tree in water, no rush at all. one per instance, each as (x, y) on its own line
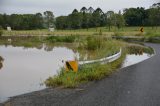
(48, 47)
(1, 60)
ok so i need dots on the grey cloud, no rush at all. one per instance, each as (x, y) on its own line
(64, 7)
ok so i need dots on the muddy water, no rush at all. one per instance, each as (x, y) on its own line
(24, 70)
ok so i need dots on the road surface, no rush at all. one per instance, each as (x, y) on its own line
(136, 85)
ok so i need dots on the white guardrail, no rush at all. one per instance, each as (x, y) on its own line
(105, 60)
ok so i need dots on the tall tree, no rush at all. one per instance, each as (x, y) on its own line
(120, 22)
(61, 22)
(49, 18)
(134, 16)
(75, 19)
(90, 10)
(154, 15)
(110, 17)
(83, 10)
(38, 20)
(74, 11)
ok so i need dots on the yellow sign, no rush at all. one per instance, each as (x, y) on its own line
(141, 29)
(72, 65)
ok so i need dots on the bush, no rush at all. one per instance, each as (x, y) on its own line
(94, 42)
(91, 43)
(68, 39)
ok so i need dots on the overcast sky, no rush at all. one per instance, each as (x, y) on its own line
(64, 7)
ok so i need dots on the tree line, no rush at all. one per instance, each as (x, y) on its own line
(84, 18)
(27, 21)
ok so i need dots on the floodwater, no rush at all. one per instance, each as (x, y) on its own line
(135, 58)
(24, 70)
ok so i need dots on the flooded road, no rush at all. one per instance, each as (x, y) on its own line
(25, 69)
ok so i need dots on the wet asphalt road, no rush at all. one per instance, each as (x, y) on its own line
(136, 85)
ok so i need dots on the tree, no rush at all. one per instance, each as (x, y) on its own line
(85, 20)
(38, 20)
(83, 10)
(61, 22)
(49, 18)
(154, 15)
(75, 11)
(135, 16)
(16, 21)
(85, 17)
(90, 10)
(96, 18)
(110, 17)
(74, 20)
(120, 22)
(99, 10)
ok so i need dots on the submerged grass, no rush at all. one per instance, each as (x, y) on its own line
(95, 71)
(86, 73)
(139, 49)
(98, 46)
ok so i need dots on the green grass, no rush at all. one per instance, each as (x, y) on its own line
(68, 39)
(127, 31)
(86, 73)
(96, 47)
(96, 71)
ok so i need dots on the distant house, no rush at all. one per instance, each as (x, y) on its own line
(9, 28)
(51, 29)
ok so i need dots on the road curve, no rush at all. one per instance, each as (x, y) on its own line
(136, 85)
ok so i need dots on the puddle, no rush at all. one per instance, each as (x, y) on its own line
(25, 69)
(135, 58)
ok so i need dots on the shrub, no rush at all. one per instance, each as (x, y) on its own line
(91, 43)
(94, 42)
(68, 39)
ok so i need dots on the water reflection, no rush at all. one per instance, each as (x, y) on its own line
(137, 54)
(1, 62)
(24, 69)
(135, 58)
